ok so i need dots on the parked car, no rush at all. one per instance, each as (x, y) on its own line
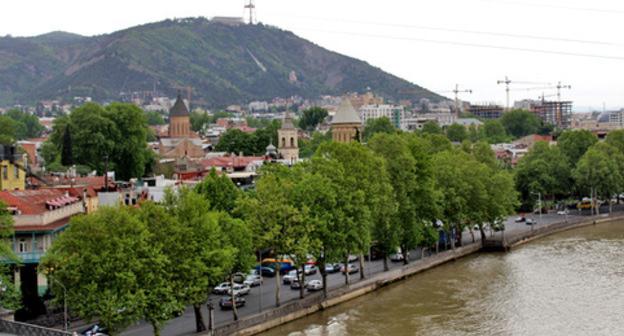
(315, 285)
(95, 330)
(352, 258)
(530, 221)
(253, 280)
(290, 277)
(239, 290)
(223, 288)
(309, 269)
(350, 268)
(239, 277)
(296, 284)
(226, 302)
(396, 257)
(562, 212)
(332, 268)
(520, 219)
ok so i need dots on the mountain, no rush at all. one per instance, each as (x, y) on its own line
(224, 64)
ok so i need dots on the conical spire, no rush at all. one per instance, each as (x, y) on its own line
(346, 114)
(179, 109)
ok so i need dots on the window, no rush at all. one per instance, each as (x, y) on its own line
(283, 142)
(22, 247)
(292, 142)
(5, 172)
(16, 172)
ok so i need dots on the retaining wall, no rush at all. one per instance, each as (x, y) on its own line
(24, 329)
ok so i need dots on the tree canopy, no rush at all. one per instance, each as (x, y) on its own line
(519, 123)
(574, 143)
(312, 117)
(378, 125)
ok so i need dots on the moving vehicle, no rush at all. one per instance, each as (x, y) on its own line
(332, 268)
(296, 284)
(520, 219)
(562, 212)
(530, 221)
(223, 288)
(239, 290)
(350, 268)
(290, 277)
(226, 302)
(285, 264)
(585, 203)
(253, 280)
(315, 285)
(95, 330)
(266, 271)
(309, 269)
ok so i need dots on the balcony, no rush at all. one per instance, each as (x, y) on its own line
(26, 257)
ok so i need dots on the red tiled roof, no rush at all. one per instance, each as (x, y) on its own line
(244, 128)
(230, 161)
(50, 227)
(30, 202)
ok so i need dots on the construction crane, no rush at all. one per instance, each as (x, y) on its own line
(457, 91)
(557, 87)
(508, 82)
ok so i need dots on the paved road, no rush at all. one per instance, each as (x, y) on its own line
(263, 297)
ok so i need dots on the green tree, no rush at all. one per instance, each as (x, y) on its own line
(432, 127)
(165, 295)
(378, 125)
(107, 261)
(437, 143)
(543, 169)
(599, 172)
(616, 139)
(154, 118)
(204, 257)
(312, 117)
(236, 141)
(27, 126)
(199, 119)
(66, 148)
(494, 132)
(10, 298)
(8, 130)
(574, 143)
(519, 123)
(220, 191)
(308, 147)
(456, 133)
(50, 154)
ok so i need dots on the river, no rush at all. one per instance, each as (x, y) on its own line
(571, 283)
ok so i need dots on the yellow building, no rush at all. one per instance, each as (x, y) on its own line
(346, 125)
(288, 146)
(12, 177)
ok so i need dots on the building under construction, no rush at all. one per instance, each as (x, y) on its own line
(557, 113)
(486, 111)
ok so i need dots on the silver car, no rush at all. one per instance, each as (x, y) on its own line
(253, 280)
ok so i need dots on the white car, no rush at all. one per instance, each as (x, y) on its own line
(289, 277)
(223, 288)
(315, 285)
(562, 212)
(253, 280)
(309, 269)
(239, 290)
(396, 257)
(350, 268)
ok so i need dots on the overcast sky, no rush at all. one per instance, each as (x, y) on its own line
(433, 43)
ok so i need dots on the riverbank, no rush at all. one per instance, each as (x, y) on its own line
(294, 310)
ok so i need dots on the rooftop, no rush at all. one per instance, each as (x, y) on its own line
(179, 109)
(346, 114)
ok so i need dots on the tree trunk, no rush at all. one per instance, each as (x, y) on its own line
(233, 296)
(301, 277)
(199, 319)
(155, 329)
(277, 284)
(324, 276)
(451, 237)
(460, 233)
(473, 236)
(482, 235)
(385, 262)
(362, 276)
(346, 269)
(405, 258)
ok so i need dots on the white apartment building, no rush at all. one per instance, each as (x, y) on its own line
(396, 113)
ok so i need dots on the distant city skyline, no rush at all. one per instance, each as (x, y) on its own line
(435, 44)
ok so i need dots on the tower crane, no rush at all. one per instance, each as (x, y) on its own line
(557, 87)
(508, 82)
(457, 91)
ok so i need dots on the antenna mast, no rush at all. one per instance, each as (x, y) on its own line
(251, 8)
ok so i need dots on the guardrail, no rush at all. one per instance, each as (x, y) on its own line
(25, 329)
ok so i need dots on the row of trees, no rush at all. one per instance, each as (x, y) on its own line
(93, 136)
(579, 165)
(127, 264)
(237, 141)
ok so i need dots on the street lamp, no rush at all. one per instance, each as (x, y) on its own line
(539, 200)
(65, 320)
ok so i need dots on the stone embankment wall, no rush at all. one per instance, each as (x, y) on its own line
(315, 302)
